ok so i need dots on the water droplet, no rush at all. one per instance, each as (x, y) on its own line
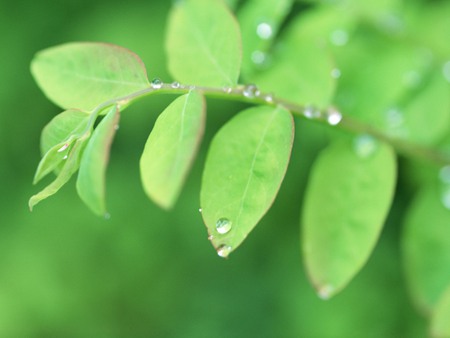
(325, 292)
(107, 215)
(444, 174)
(227, 89)
(223, 225)
(264, 30)
(394, 117)
(339, 37)
(335, 73)
(175, 85)
(311, 112)
(65, 157)
(156, 83)
(250, 91)
(224, 250)
(210, 237)
(258, 57)
(116, 127)
(64, 147)
(446, 70)
(334, 116)
(268, 98)
(365, 145)
(412, 79)
(200, 210)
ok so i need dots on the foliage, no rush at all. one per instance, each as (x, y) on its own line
(324, 56)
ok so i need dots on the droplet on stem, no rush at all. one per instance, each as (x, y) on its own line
(334, 116)
(227, 89)
(251, 91)
(311, 112)
(175, 85)
(224, 250)
(223, 225)
(268, 98)
(156, 83)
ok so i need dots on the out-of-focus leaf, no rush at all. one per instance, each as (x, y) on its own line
(71, 165)
(91, 177)
(83, 75)
(347, 200)
(426, 248)
(440, 323)
(259, 22)
(171, 147)
(203, 43)
(244, 168)
(57, 138)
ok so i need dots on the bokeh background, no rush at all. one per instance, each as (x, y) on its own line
(145, 272)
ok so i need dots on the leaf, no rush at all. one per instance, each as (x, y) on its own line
(203, 43)
(91, 177)
(70, 167)
(57, 138)
(440, 323)
(426, 248)
(347, 199)
(171, 147)
(244, 168)
(260, 22)
(83, 74)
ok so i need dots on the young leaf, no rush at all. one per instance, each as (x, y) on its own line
(171, 147)
(347, 200)
(83, 75)
(70, 167)
(203, 43)
(426, 249)
(440, 323)
(259, 21)
(91, 177)
(244, 168)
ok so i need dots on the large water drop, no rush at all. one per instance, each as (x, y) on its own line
(224, 250)
(334, 116)
(250, 91)
(223, 225)
(156, 83)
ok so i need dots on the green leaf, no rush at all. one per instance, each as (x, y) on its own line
(440, 323)
(203, 43)
(83, 75)
(347, 199)
(70, 167)
(259, 21)
(171, 148)
(91, 177)
(244, 168)
(57, 138)
(426, 248)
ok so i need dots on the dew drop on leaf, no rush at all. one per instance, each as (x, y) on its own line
(268, 98)
(156, 83)
(116, 127)
(200, 210)
(175, 85)
(335, 73)
(250, 91)
(65, 157)
(224, 250)
(365, 145)
(223, 225)
(325, 292)
(264, 30)
(334, 116)
(210, 237)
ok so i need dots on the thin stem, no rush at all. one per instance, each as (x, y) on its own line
(329, 116)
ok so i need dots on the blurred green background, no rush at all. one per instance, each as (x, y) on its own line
(146, 272)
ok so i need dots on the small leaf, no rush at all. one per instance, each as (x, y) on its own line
(70, 167)
(244, 168)
(426, 248)
(203, 43)
(91, 177)
(171, 147)
(83, 74)
(440, 323)
(347, 200)
(260, 21)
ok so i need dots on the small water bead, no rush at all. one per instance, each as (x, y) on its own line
(200, 210)
(444, 174)
(334, 116)
(64, 147)
(65, 157)
(210, 237)
(224, 250)
(325, 292)
(175, 85)
(311, 112)
(227, 90)
(446, 70)
(251, 91)
(365, 145)
(258, 57)
(339, 37)
(268, 98)
(264, 30)
(223, 225)
(394, 117)
(335, 73)
(156, 83)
